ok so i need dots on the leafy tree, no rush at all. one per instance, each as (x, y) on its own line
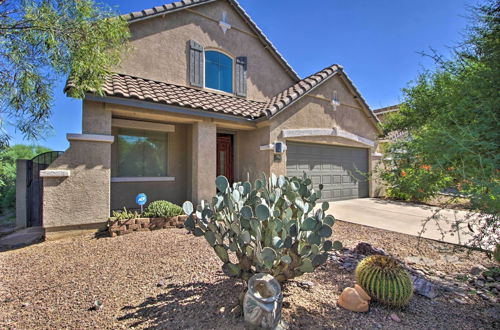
(8, 157)
(452, 131)
(44, 40)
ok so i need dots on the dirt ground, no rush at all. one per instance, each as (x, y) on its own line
(168, 279)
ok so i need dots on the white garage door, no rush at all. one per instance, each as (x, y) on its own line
(342, 170)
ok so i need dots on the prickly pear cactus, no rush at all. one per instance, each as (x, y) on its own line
(270, 227)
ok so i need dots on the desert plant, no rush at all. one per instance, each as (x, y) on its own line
(271, 227)
(124, 215)
(385, 280)
(164, 209)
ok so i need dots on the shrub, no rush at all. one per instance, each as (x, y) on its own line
(270, 228)
(385, 280)
(163, 209)
(124, 215)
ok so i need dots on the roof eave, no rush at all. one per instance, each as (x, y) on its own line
(339, 68)
(134, 102)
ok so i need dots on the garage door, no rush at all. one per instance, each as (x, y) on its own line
(341, 170)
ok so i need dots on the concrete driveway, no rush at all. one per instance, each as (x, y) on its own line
(400, 217)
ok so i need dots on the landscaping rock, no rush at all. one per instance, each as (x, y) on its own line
(367, 249)
(478, 269)
(395, 318)
(308, 285)
(354, 299)
(424, 287)
(98, 305)
(419, 260)
(124, 273)
(460, 301)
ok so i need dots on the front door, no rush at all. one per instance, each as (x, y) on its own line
(225, 156)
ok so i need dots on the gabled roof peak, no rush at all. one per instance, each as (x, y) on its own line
(184, 4)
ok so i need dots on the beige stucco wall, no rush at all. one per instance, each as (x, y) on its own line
(316, 111)
(123, 193)
(160, 48)
(83, 197)
(96, 119)
(252, 161)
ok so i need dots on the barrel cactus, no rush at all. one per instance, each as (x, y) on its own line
(385, 280)
(271, 227)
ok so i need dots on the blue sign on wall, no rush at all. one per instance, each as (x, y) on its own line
(141, 199)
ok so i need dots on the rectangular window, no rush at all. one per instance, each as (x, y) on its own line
(141, 153)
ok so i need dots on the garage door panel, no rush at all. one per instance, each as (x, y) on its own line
(326, 179)
(341, 170)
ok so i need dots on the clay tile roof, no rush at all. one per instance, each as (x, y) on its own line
(120, 85)
(125, 86)
(301, 88)
(387, 109)
(163, 9)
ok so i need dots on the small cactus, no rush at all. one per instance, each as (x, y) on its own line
(385, 280)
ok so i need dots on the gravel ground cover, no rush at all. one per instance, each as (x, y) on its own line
(168, 279)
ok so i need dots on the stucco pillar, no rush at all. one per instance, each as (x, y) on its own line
(76, 186)
(204, 137)
(21, 193)
(95, 118)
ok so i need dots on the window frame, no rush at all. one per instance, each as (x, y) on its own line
(122, 178)
(233, 69)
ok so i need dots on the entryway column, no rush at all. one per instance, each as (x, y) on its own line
(204, 161)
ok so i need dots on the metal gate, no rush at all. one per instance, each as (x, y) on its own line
(34, 186)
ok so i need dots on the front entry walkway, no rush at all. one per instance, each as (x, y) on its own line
(400, 217)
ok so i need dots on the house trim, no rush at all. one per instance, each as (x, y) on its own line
(138, 124)
(54, 173)
(165, 107)
(291, 133)
(90, 137)
(143, 179)
(297, 99)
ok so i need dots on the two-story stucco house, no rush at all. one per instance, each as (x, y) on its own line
(205, 93)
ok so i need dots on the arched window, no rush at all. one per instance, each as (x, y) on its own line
(218, 71)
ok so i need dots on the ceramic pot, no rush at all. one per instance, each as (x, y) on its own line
(262, 302)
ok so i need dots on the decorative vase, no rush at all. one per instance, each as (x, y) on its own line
(262, 302)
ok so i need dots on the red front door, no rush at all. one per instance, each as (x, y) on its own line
(225, 156)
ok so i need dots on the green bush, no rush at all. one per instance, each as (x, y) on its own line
(162, 209)
(272, 227)
(410, 180)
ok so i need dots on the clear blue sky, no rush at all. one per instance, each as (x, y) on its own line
(375, 40)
